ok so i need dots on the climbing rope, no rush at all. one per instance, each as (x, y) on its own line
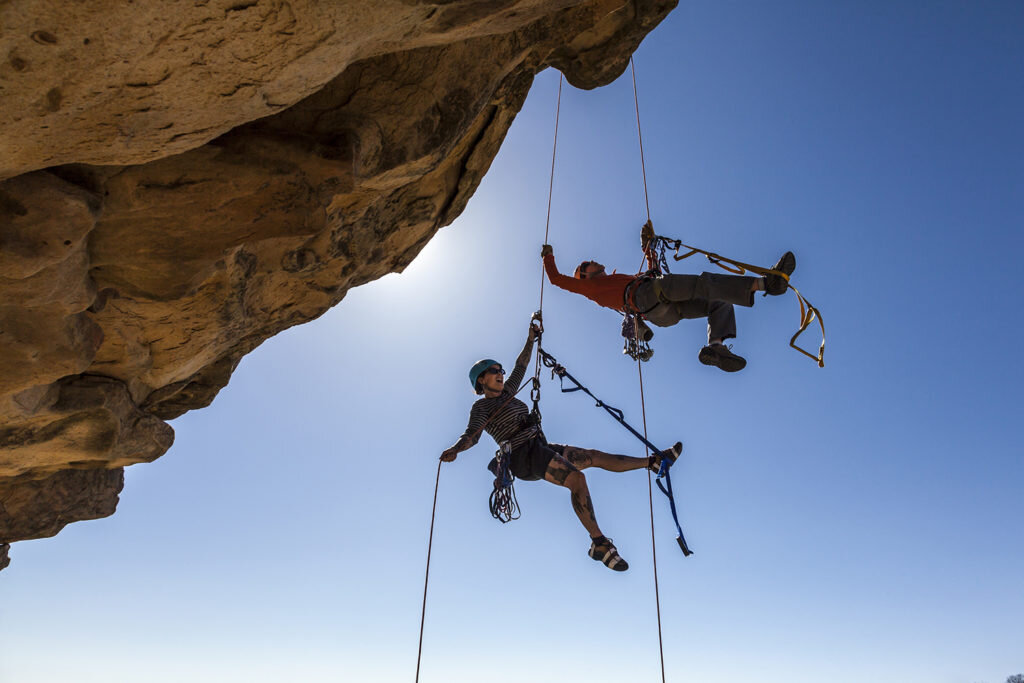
(551, 187)
(639, 135)
(640, 354)
(426, 577)
(654, 260)
(430, 542)
(650, 499)
(537, 321)
(503, 503)
(635, 347)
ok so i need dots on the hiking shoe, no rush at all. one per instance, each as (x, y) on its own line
(721, 357)
(668, 456)
(604, 551)
(776, 284)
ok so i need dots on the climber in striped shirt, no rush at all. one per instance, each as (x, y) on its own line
(506, 419)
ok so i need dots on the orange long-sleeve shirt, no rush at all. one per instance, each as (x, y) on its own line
(605, 291)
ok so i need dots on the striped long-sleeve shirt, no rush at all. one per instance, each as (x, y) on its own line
(508, 419)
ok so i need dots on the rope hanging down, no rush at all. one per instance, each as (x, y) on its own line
(502, 506)
(641, 351)
(675, 517)
(426, 576)
(551, 188)
(558, 370)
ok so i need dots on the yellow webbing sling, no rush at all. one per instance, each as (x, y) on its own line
(808, 313)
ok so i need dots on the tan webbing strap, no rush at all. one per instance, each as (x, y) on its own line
(808, 313)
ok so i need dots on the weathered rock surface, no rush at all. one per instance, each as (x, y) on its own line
(178, 186)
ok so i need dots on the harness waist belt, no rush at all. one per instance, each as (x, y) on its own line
(629, 296)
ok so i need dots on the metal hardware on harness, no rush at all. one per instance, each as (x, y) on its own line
(635, 332)
(634, 347)
(537, 323)
(640, 351)
(537, 320)
(503, 503)
(535, 397)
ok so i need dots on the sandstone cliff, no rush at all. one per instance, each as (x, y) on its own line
(180, 182)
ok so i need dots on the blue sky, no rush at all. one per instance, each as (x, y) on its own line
(857, 522)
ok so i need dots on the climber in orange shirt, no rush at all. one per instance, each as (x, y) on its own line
(666, 299)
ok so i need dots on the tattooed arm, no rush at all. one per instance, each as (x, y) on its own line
(469, 438)
(519, 371)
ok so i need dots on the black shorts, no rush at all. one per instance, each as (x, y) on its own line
(530, 461)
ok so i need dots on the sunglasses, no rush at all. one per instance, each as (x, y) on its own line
(494, 371)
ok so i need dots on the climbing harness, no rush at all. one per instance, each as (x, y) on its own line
(558, 370)
(659, 245)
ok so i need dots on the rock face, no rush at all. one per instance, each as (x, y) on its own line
(178, 186)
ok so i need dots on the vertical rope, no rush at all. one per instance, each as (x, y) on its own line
(643, 167)
(547, 225)
(551, 184)
(640, 372)
(650, 500)
(426, 577)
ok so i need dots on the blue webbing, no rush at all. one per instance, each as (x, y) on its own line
(663, 472)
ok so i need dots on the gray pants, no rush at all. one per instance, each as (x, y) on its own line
(675, 297)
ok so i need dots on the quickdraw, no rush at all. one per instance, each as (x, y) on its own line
(558, 370)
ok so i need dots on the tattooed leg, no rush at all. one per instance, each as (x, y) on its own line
(563, 473)
(583, 505)
(558, 471)
(583, 458)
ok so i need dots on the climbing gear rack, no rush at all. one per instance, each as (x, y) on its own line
(503, 503)
(636, 348)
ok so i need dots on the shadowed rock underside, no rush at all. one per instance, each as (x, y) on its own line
(174, 190)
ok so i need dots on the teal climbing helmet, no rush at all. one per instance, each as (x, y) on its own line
(478, 369)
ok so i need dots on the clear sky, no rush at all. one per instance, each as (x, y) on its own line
(861, 522)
